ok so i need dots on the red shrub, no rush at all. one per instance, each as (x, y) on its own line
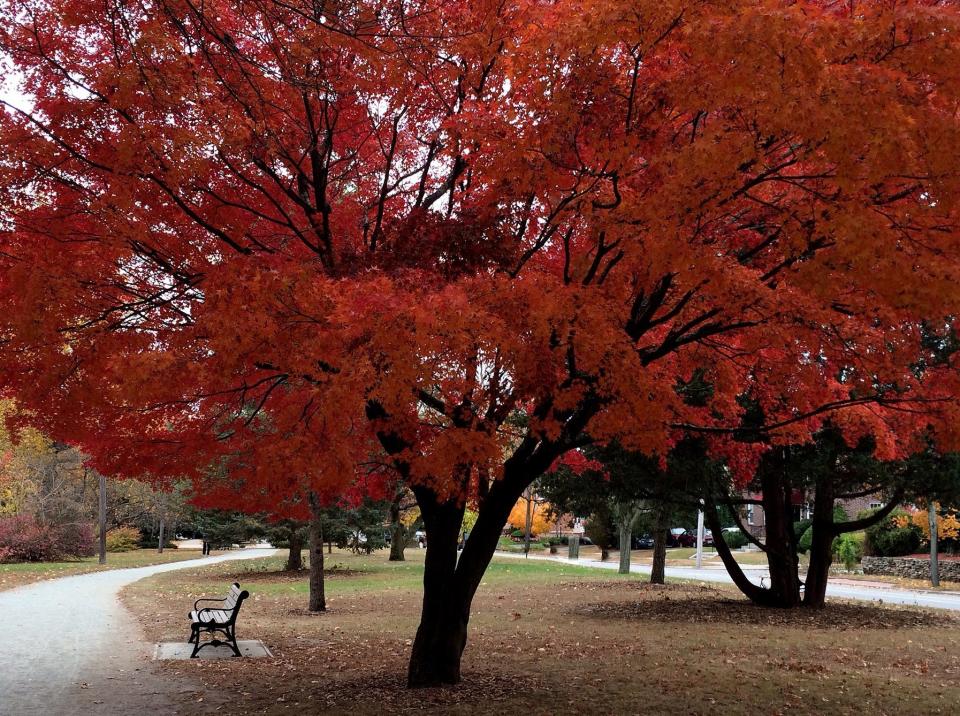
(25, 539)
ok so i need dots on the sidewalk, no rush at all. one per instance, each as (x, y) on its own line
(837, 589)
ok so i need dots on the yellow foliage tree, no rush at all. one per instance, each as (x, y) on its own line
(542, 518)
(948, 525)
(16, 487)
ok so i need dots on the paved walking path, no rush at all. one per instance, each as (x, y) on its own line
(887, 594)
(67, 646)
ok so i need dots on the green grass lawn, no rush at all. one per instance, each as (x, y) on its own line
(348, 574)
(15, 575)
(676, 556)
(547, 638)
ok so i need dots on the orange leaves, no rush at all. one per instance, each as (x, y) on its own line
(948, 525)
(542, 521)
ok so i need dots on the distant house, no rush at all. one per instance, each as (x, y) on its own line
(802, 503)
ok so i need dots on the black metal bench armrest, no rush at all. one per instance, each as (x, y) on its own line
(208, 600)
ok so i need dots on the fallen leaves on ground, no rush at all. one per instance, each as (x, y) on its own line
(594, 645)
(704, 605)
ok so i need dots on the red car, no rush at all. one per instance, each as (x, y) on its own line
(688, 538)
(674, 537)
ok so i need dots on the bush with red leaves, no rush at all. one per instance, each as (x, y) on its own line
(23, 538)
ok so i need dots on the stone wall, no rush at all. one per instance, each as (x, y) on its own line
(910, 567)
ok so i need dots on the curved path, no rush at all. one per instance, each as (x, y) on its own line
(67, 646)
(848, 589)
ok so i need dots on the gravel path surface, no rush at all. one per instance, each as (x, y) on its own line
(67, 646)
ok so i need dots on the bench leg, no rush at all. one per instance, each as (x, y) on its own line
(196, 645)
(232, 641)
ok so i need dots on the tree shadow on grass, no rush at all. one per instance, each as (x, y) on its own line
(292, 575)
(707, 606)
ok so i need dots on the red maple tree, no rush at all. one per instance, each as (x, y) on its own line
(482, 233)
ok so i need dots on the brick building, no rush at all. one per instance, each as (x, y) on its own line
(755, 522)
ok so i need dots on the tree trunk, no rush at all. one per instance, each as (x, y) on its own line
(660, 531)
(821, 546)
(442, 634)
(626, 535)
(781, 543)
(449, 584)
(103, 519)
(295, 555)
(934, 537)
(160, 540)
(318, 600)
(756, 594)
(398, 533)
(528, 525)
(824, 532)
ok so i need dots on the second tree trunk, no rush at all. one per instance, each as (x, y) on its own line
(318, 600)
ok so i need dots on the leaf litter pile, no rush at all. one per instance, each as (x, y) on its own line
(543, 642)
(704, 604)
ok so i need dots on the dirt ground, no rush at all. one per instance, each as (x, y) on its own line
(546, 638)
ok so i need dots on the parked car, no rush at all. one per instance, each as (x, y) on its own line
(689, 538)
(674, 535)
(643, 542)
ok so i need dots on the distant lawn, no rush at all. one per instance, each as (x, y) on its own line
(676, 556)
(551, 638)
(15, 575)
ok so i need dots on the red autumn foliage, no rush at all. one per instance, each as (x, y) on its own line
(24, 538)
(282, 232)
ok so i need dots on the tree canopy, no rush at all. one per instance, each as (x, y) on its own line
(281, 232)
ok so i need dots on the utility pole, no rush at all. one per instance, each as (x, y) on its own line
(103, 520)
(934, 557)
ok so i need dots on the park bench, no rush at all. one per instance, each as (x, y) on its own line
(222, 619)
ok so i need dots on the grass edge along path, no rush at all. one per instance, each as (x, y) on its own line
(18, 574)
